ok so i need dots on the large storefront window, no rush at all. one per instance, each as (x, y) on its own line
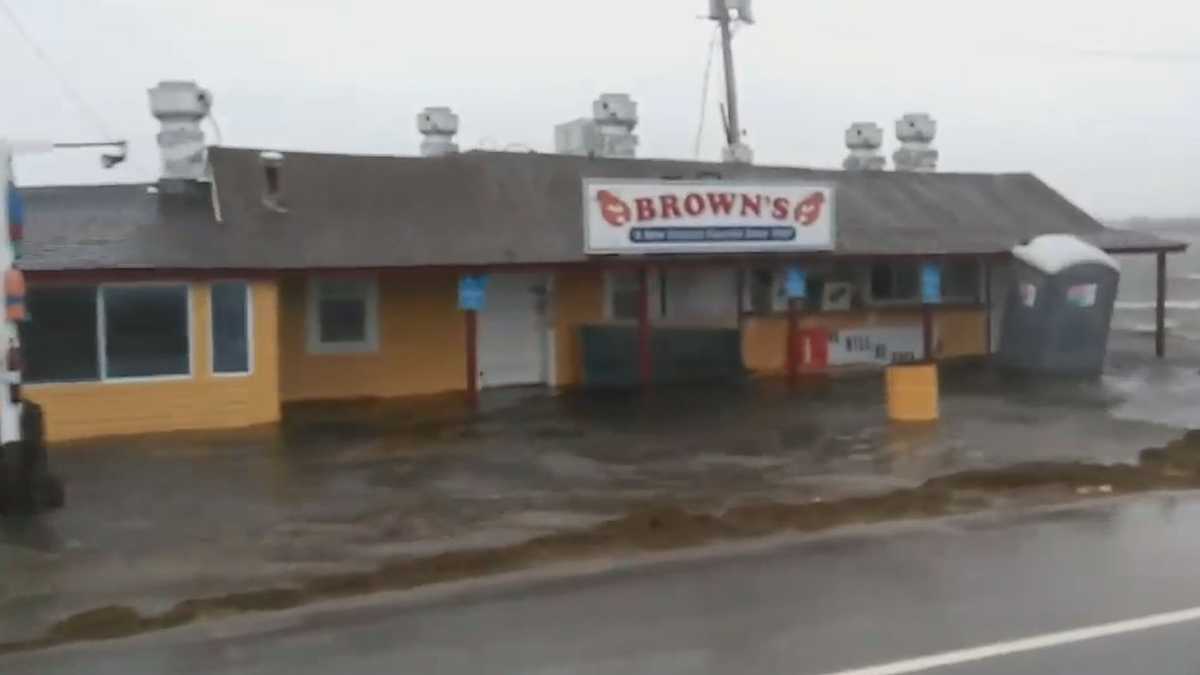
(60, 342)
(87, 333)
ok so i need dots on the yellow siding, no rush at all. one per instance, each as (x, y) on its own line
(422, 343)
(203, 401)
(959, 331)
(580, 301)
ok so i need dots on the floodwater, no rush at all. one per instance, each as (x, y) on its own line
(154, 520)
(1136, 298)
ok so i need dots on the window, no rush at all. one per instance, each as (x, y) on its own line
(624, 290)
(961, 280)
(895, 281)
(88, 333)
(60, 341)
(145, 330)
(343, 316)
(230, 325)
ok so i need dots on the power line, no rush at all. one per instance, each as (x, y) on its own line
(63, 82)
(712, 48)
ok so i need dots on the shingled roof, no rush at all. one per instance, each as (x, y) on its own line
(488, 208)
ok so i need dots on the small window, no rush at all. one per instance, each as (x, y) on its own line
(624, 294)
(59, 342)
(766, 294)
(146, 331)
(230, 325)
(894, 281)
(961, 280)
(343, 316)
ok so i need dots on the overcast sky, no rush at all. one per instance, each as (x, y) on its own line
(1099, 99)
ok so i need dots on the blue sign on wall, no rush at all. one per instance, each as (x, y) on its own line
(795, 283)
(472, 292)
(931, 282)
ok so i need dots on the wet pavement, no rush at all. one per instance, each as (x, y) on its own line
(837, 603)
(154, 520)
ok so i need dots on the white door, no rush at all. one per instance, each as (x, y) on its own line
(512, 331)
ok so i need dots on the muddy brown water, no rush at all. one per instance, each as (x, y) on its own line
(1174, 466)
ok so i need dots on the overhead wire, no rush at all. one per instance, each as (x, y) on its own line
(712, 48)
(67, 86)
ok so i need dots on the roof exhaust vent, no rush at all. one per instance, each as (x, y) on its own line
(616, 117)
(272, 165)
(438, 124)
(916, 132)
(607, 133)
(864, 140)
(180, 106)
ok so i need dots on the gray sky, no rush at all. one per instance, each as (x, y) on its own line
(1099, 99)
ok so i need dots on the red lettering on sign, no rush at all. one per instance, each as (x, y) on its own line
(809, 210)
(614, 211)
(751, 204)
(670, 206)
(721, 203)
(645, 208)
(780, 208)
(693, 204)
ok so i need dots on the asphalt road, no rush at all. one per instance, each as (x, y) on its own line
(879, 602)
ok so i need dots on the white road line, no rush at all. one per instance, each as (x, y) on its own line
(1029, 644)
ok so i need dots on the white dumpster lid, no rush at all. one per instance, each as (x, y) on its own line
(1052, 253)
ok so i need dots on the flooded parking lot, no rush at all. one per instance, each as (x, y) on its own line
(154, 520)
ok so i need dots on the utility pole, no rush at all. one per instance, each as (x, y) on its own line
(721, 11)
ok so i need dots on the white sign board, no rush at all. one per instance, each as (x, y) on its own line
(881, 345)
(634, 217)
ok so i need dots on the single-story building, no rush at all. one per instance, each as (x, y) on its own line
(192, 304)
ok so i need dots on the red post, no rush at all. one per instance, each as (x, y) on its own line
(793, 349)
(472, 364)
(645, 358)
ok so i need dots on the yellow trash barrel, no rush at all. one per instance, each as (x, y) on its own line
(912, 392)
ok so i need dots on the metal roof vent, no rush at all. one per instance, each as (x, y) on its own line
(864, 140)
(616, 116)
(272, 166)
(180, 106)
(916, 132)
(438, 124)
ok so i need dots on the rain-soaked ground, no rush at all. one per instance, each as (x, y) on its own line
(154, 520)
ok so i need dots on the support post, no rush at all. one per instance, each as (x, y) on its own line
(472, 319)
(927, 331)
(645, 358)
(987, 304)
(793, 349)
(1160, 309)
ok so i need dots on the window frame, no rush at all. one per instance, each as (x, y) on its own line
(657, 292)
(102, 336)
(212, 353)
(979, 266)
(869, 286)
(370, 343)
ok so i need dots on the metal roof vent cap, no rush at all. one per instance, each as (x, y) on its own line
(272, 166)
(438, 124)
(616, 117)
(864, 140)
(180, 105)
(916, 132)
